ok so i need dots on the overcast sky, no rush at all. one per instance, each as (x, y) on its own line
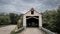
(17, 6)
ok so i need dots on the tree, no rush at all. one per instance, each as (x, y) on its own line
(13, 18)
(58, 21)
(49, 19)
(4, 20)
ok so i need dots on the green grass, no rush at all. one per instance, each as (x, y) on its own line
(13, 32)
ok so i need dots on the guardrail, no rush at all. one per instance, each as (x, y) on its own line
(46, 30)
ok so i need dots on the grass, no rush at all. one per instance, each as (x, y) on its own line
(13, 31)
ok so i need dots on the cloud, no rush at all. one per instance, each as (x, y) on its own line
(17, 6)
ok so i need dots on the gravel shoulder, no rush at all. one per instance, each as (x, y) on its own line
(7, 29)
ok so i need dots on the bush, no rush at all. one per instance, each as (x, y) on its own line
(4, 20)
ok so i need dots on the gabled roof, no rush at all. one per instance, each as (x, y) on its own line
(32, 9)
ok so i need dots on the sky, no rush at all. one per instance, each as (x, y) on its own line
(22, 6)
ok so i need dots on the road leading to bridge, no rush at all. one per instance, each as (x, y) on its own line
(32, 31)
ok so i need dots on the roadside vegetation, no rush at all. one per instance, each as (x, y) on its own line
(16, 31)
(7, 19)
(51, 20)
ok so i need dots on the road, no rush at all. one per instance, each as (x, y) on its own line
(7, 29)
(32, 31)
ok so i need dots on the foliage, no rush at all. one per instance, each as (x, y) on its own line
(20, 21)
(49, 19)
(4, 20)
(13, 18)
(13, 32)
(58, 21)
(16, 31)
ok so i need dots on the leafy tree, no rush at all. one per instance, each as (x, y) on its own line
(4, 20)
(58, 21)
(13, 18)
(49, 19)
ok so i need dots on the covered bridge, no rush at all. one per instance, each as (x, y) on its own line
(32, 23)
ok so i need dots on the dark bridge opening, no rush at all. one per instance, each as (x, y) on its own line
(32, 21)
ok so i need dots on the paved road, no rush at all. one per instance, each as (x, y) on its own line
(32, 31)
(7, 29)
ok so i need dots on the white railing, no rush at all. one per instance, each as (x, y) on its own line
(46, 30)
